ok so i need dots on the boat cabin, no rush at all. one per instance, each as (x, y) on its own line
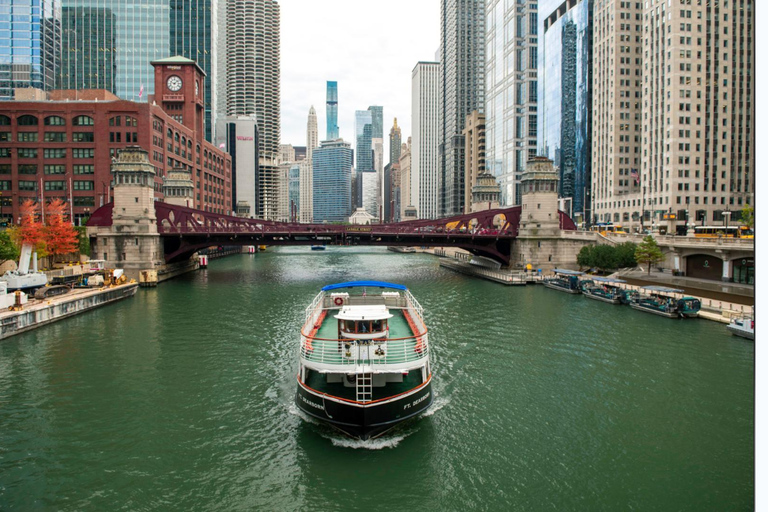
(363, 322)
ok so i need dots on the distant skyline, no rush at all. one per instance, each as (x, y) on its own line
(369, 51)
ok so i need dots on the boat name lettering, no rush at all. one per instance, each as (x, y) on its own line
(311, 404)
(417, 401)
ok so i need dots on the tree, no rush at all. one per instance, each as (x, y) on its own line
(648, 251)
(604, 257)
(625, 255)
(30, 229)
(8, 249)
(60, 235)
(585, 258)
(748, 216)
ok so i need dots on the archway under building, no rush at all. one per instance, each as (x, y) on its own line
(704, 266)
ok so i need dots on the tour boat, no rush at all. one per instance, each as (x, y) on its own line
(660, 300)
(364, 358)
(605, 289)
(564, 280)
(744, 326)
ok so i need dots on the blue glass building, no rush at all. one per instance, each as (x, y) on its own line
(332, 181)
(30, 44)
(332, 111)
(363, 135)
(88, 49)
(377, 121)
(565, 96)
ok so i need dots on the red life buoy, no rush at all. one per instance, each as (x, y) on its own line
(338, 301)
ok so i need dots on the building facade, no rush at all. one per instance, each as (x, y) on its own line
(511, 93)
(305, 191)
(331, 110)
(474, 151)
(462, 90)
(88, 49)
(565, 97)
(63, 146)
(30, 45)
(312, 136)
(406, 197)
(331, 181)
(363, 136)
(395, 142)
(425, 162)
(242, 143)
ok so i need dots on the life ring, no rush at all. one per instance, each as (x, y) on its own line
(338, 301)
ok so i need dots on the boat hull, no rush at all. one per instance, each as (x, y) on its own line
(615, 300)
(666, 314)
(561, 289)
(364, 421)
(741, 332)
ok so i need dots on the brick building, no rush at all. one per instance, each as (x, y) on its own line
(63, 146)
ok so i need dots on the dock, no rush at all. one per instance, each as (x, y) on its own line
(36, 313)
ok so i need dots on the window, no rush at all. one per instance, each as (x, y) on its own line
(5, 152)
(82, 201)
(82, 137)
(27, 121)
(27, 136)
(27, 152)
(54, 169)
(115, 121)
(83, 169)
(54, 185)
(130, 121)
(54, 121)
(27, 168)
(55, 153)
(115, 137)
(27, 185)
(82, 152)
(5, 136)
(82, 121)
(5, 121)
(5, 185)
(82, 185)
(55, 137)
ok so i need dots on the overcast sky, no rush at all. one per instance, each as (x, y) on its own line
(369, 48)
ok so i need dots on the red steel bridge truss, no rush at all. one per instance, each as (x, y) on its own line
(185, 230)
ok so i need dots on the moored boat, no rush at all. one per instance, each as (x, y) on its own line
(743, 327)
(564, 280)
(364, 358)
(605, 289)
(317, 247)
(661, 301)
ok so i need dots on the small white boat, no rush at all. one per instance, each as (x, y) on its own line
(743, 327)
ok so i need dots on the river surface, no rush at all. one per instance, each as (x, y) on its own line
(181, 398)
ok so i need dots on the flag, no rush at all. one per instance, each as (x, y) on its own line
(222, 145)
(635, 175)
(141, 91)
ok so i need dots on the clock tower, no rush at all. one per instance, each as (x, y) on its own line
(179, 91)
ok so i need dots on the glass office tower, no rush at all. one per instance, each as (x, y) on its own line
(363, 135)
(332, 111)
(565, 97)
(30, 44)
(194, 34)
(332, 181)
(88, 49)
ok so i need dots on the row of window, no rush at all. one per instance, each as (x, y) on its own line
(47, 169)
(47, 137)
(48, 152)
(29, 120)
(47, 185)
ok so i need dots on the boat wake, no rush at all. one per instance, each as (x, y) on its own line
(438, 404)
(387, 441)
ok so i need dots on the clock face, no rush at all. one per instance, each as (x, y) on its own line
(174, 83)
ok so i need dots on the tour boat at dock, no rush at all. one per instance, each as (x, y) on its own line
(604, 289)
(661, 301)
(364, 358)
(744, 326)
(564, 280)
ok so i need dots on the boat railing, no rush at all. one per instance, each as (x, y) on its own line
(398, 352)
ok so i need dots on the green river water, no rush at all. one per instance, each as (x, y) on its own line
(181, 398)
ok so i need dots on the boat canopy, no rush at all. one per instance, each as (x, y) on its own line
(567, 272)
(362, 284)
(607, 280)
(662, 289)
(377, 312)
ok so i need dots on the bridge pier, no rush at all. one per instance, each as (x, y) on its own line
(131, 241)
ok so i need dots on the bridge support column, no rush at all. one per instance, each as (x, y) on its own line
(727, 270)
(132, 241)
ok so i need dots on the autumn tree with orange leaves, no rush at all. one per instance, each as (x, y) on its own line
(60, 236)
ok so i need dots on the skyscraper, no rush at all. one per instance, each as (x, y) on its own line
(194, 34)
(424, 174)
(30, 45)
(332, 111)
(312, 137)
(88, 49)
(565, 96)
(395, 139)
(142, 35)
(249, 60)
(462, 90)
(363, 135)
(331, 181)
(511, 94)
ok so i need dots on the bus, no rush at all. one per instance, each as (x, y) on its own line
(606, 229)
(722, 231)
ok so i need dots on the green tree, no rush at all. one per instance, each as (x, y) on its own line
(625, 255)
(585, 258)
(604, 257)
(748, 216)
(8, 249)
(84, 243)
(648, 251)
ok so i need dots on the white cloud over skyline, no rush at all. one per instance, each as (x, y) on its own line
(369, 48)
